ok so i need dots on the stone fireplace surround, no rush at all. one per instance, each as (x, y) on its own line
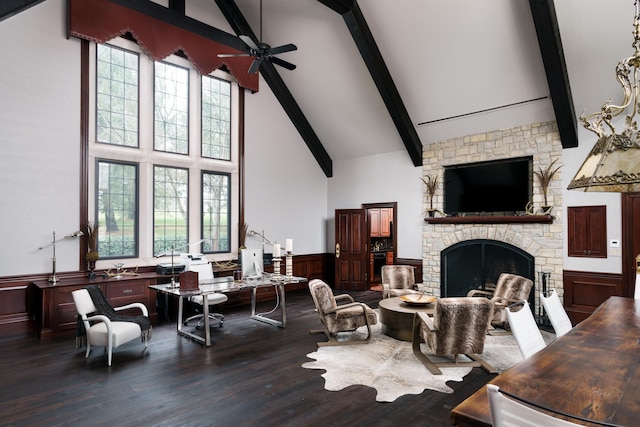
(544, 241)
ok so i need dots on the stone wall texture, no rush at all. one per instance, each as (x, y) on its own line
(543, 241)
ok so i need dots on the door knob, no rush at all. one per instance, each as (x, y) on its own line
(337, 250)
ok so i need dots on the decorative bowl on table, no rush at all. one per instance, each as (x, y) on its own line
(418, 299)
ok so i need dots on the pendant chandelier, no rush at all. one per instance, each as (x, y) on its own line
(614, 162)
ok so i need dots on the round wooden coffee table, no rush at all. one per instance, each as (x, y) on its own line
(396, 317)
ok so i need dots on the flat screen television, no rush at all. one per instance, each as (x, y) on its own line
(499, 187)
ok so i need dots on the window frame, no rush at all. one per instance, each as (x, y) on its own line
(195, 163)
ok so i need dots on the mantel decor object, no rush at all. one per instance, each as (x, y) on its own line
(432, 185)
(613, 164)
(544, 179)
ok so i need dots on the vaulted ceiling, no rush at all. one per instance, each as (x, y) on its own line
(379, 76)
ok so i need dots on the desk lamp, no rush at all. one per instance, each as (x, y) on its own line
(53, 278)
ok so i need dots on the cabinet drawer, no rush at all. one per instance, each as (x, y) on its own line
(128, 289)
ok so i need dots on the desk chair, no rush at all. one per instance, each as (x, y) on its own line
(205, 272)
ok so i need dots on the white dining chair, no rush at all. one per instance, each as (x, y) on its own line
(524, 329)
(508, 412)
(557, 315)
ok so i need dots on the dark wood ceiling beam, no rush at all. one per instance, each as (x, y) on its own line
(178, 6)
(173, 17)
(241, 27)
(8, 8)
(548, 32)
(372, 57)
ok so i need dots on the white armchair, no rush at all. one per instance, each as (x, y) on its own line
(103, 332)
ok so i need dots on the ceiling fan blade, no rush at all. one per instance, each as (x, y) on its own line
(255, 66)
(249, 42)
(282, 63)
(282, 49)
(230, 55)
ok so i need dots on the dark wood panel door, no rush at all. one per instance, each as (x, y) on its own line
(630, 239)
(351, 253)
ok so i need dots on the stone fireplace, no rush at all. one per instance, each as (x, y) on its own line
(484, 249)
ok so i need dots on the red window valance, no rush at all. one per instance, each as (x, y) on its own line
(103, 20)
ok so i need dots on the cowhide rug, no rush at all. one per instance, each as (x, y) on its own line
(389, 365)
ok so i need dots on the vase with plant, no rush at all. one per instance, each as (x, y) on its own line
(242, 235)
(432, 184)
(92, 245)
(544, 179)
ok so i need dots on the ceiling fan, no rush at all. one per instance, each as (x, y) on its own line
(262, 51)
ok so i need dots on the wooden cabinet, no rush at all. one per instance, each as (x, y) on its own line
(380, 222)
(15, 318)
(390, 258)
(57, 312)
(587, 231)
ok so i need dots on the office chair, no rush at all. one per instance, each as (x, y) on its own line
(205, 273)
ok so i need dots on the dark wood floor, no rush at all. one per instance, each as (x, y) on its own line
(252, 375)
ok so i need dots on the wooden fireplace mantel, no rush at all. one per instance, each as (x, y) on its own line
(480, 219)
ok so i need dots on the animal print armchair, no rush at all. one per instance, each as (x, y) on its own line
(346, 317)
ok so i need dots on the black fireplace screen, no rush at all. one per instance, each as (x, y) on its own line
(477, 264)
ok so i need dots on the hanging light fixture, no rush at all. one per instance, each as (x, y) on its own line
(614, 162)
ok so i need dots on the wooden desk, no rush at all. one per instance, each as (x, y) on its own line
(592, 372)
(57, 312)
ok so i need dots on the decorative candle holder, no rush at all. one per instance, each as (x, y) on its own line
(276, 269)
(288, 266)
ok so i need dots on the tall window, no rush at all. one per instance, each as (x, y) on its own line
(215, 211)
(171, 108)
(216, 118)
(170, 209)
(117, 97)
(166, 163)
(117, 208)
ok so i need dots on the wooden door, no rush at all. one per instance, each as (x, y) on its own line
(630, 240)
(351, 249)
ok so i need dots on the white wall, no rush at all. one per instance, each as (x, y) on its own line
(39, 136)
(286, 190)
(379, 179)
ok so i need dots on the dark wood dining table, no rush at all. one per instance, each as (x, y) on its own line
(592, 372)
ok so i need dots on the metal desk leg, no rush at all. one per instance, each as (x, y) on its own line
(281, 302)
(205, 311)
(207, 335)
